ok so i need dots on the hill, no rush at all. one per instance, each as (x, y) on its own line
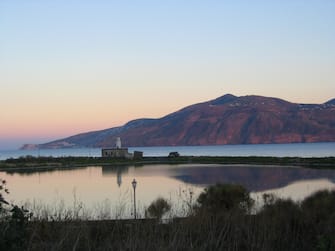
(226, 120)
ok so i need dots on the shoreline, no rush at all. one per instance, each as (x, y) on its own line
(52, 163)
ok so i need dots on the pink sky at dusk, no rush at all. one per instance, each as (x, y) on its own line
(68, 68)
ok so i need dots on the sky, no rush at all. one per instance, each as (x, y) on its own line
(72, 66)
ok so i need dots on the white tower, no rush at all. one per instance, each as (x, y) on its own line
(118, 143)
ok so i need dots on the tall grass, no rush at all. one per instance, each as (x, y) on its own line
(280, 225)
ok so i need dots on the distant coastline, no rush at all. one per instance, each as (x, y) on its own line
(303, 150)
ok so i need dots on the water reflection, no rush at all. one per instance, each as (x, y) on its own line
(299, 190)
(254, 178)
(39, 170)
(115, 171)
(177, 183)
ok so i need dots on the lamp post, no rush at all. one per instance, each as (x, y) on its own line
(134, 183)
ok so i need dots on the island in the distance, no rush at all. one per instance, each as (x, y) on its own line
(226, 120)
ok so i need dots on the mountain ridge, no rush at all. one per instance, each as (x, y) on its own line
(227, 119)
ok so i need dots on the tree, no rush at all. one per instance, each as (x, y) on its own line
(158, 208)
(3, 189)
(16, 213)
(222, 198)
(13, 227)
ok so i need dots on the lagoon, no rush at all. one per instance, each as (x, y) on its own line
(107, 191)
(98, 191)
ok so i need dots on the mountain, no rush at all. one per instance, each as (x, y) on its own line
(331, 102)
(226, 120)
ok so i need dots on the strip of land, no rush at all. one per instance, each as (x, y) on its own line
(30, 162)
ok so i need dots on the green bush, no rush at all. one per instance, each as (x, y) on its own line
(158, 208)
(221, 198)
(319, 213)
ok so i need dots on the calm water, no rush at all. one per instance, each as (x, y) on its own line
(279, 150)
(107, 191)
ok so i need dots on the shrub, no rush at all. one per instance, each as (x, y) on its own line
(158, 208)
(320, 205)
(3, 202)
(222, 198)
(319, 213)
(13, 223)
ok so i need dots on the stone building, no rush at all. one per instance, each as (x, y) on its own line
(116, 152)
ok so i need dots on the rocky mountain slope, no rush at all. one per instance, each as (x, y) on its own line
(225, 120)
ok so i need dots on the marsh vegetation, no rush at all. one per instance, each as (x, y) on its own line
(220, 219)
(31, 162)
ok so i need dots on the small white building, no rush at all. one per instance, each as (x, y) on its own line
(117, 151)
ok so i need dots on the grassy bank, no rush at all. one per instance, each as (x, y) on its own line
(65, 162)
(280, 225)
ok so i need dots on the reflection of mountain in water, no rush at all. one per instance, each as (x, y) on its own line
(254, 178)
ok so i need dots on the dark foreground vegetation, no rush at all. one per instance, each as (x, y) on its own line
(66, 162)
(222, 219)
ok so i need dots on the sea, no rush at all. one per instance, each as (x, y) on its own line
(275, 150)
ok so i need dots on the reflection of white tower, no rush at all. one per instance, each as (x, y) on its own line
(119, 177)
(118, 143)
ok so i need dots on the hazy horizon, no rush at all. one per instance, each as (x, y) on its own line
(69, 67)
(18, 143)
